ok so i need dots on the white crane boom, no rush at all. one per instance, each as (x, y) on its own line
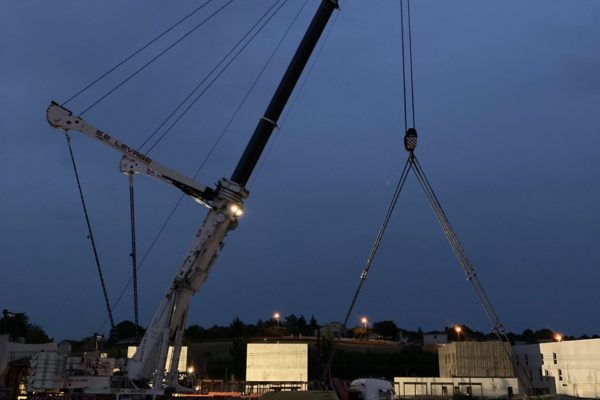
(169, 320)
(133, 161)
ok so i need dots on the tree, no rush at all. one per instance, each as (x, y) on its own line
(313, 326)
(237, 328)
(17, 325)
(386, 329)
(36, 335)
(14, 324)
(528, 336)
(125, 330)
(194, 333)
(291, 323)
(544, 334)
(302, 326)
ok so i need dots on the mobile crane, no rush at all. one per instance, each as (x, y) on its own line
(147, 370)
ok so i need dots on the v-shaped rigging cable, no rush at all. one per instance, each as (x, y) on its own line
(410, 142)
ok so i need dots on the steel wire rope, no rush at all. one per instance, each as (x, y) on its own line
(363, 276)
(289, 109)
(195, 100)
(490, 312)
(135, 53)
(410, 56)
(222, 134)
(144, 66)
(458, 249)
(408, 165)
(90, 232)
(131, 188)
(133, 250)
(403, 65)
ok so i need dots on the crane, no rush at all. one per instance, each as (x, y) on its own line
(225, 205)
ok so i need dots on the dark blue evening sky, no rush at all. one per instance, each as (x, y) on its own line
(507, 96)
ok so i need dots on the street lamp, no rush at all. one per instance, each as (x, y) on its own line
(558, 337)
(191, 376)
(364, 321)
(458, 330)
(276, 317)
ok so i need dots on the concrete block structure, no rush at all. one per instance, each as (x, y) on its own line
(476, 360)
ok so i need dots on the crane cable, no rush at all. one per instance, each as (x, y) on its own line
(212, 149)
(74, 164)
(90, 233)
(523, 374)
(140, 69)
(326, 372)
(226, 63)
(458, 250)
(410, 141)
(129, 57)
(133, 253)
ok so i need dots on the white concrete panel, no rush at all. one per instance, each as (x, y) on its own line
(277, 362)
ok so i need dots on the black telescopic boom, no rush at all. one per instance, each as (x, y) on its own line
(268, 122)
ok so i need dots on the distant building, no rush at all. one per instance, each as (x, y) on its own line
(333, 330)
(569, 368)
(435, 338)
